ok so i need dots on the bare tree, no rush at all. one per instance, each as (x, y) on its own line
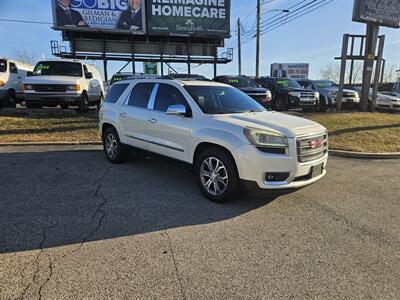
(330, 72)
(26, 56)
(391, 72)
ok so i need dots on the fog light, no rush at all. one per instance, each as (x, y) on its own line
(272, 177)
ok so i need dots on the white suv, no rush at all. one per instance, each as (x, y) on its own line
(231, 140)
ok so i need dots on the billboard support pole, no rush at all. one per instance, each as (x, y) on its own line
(215, 61)
(162, 57)
(352, 61)
(188, 55)
(258, 39)
(339, 96)
(377, 71)
(239, 48)
(105, 60)
(370, 47)
(133, 59)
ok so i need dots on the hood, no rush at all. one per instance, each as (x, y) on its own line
(51, 80)
(335, 89)
(384, 97)
(288, 125)
(253, 90)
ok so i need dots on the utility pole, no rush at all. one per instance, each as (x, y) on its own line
(239, 47)
(258, 39)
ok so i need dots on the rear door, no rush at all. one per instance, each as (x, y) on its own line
(169, 134)
(134, 115)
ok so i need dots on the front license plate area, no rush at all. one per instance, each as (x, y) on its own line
(317, 170)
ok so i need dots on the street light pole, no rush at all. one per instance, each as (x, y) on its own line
(239, 47)
(258, 39)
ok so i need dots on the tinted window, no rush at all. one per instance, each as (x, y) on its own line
(168, 95)
(324, 84)
(3, 66)
(115, 92)
(141, 94)
(306, 84)
(13, 68)
(222, 100)
(58, 68)
(288, 83)
(266, 83)
(239, 82)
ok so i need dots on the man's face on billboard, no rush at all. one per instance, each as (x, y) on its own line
(280, 67)
(135, 4)
(64, 3)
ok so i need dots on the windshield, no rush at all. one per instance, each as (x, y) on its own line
(288, 83)
(240, 82)
(3, 65)
(323, 84)
(222, 100)
(58, 68)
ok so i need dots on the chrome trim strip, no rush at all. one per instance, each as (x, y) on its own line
(154, 143)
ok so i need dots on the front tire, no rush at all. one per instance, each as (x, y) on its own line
(84, 103)
(112, 145)
(216, 175)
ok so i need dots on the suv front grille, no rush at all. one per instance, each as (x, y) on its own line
(57, 88)
(307, 96)
(310, 148)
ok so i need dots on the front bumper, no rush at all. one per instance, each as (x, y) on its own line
(253, 165)
(52, 98)
(350, 101)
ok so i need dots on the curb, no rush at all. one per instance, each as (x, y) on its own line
(364, 155)
(88, 143)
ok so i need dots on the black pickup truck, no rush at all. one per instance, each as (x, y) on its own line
(287, 93)
(249, 86)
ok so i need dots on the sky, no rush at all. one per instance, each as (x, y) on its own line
(315, 38)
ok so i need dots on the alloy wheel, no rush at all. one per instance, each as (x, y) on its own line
(214, 176)
(111, 146)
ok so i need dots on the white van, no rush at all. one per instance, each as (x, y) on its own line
(64, 83)
(12, 74)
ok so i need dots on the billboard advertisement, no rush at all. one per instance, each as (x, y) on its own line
(125, 16)
(189, 17)
(382, 12)
(290, 70)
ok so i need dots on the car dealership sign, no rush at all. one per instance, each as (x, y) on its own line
(382, 12)
(290, 70)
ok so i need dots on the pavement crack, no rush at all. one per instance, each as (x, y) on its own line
(35, 261)
(175, 264)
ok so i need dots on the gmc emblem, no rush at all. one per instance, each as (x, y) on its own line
(315, 144)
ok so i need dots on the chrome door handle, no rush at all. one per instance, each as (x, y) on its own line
(123, 114)
(153, 121)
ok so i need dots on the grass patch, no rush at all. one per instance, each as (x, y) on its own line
(47, 125)
(362, 132)
(353, 131)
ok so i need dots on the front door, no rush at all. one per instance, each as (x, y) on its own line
(169, 134)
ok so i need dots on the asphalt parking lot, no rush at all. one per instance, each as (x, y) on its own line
(74, 226)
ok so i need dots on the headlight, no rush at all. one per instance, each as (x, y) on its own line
(294, 94)
(73, 87)
(1, 83)
(267, 140)
(28, 87)
(316, 95)
(332, 94)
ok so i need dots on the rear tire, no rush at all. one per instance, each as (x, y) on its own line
(11, 100)
(113, 149)
(216, 175)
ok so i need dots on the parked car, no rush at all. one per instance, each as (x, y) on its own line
(11, 75)
(328, 93)
(64, 83)
(229, 139)
(249, 86)
(396, 89)
(287, 93)
(386, 102)
(186, 77)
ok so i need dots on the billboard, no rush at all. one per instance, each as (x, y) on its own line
(189, 17)
(382, 12)
(125, 16)
(290, 70)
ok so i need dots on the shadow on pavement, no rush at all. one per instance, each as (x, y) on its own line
(52, 199)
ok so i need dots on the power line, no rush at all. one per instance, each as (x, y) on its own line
(25, 21)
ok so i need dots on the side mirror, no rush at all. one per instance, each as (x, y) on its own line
(177, 110)
(88, 75)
